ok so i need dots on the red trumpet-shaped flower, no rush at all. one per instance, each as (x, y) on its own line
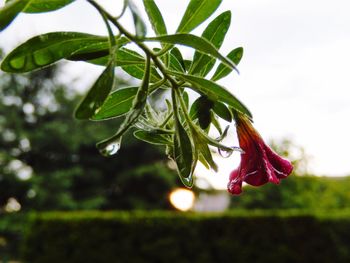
(259, 163)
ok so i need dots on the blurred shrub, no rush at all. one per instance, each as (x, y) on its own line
(173, 237)
(297, 192)
(145, 187)
(11, 234)
(64, 170)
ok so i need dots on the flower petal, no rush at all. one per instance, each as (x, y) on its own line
(235, 182)
(282, 167)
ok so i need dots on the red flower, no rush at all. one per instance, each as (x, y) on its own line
(259, 163)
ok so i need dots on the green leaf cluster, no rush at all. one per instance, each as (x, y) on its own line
(182, 127)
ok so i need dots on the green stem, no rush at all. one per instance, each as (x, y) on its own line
(166, 120)
(184, 108)
(137, 41)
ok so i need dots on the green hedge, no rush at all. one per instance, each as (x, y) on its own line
(173, 237)
(11, 235)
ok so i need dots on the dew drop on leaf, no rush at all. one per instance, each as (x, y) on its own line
(224, 153)
(42, 58)
(111, 148)
(17, 63)
(227, 153)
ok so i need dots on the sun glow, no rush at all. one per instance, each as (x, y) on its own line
(182, 199)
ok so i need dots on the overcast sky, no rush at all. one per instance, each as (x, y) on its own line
(294, 73)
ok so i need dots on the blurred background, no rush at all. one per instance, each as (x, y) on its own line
(293, 78)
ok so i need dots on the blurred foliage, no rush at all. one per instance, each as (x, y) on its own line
(243, 236)
(297, 192)
(12, 227)
(293, 152)
(48, 160)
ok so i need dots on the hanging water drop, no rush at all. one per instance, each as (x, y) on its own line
(225, 153)
(111, 148)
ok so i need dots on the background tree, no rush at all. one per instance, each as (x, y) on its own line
(48, 159)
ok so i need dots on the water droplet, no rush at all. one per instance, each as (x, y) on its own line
(225, 153)
(18, 63)
(111, 148)
(42, 58)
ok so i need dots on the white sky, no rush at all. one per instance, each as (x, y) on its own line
(294, 73)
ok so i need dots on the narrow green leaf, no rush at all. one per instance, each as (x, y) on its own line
(176, 53)
(222, 111)
(98, 53)
(222, 70)
(197, 12)
(117, 104)
(215, 33)
(138, 71)
(214, 91)
(183, 154)
(43, 50)
(40, 6)
(130, 61)
(10, 10)
(137, 108)
(187, 64)
(153, 137)
(205, 138)
(97, 94)
(140, 27)
(122, 57)
(215, 122)
(186, 98)
(175, 64)
(201, 109)
(204, 150)
(155, 17)
(198, 43)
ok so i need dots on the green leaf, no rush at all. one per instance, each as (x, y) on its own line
(138, 71)
(197, 12)
(215, 33)
(222, 70)
(215, 122)
(176, 53)
(183, 154)
(97, 94)
(186, 98)
(122, 57)
(9, 12)
(137, 108)
(198, 43)
(201, 109)
(187, 64)
(204, 150)
(175, 64)
(43, 50)
(222, 111)
(214, 92)
(140, 27)
(130, 61)
(153, 137)
(98, 53)
(117, 104)
(155, 17)
(40, 6)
